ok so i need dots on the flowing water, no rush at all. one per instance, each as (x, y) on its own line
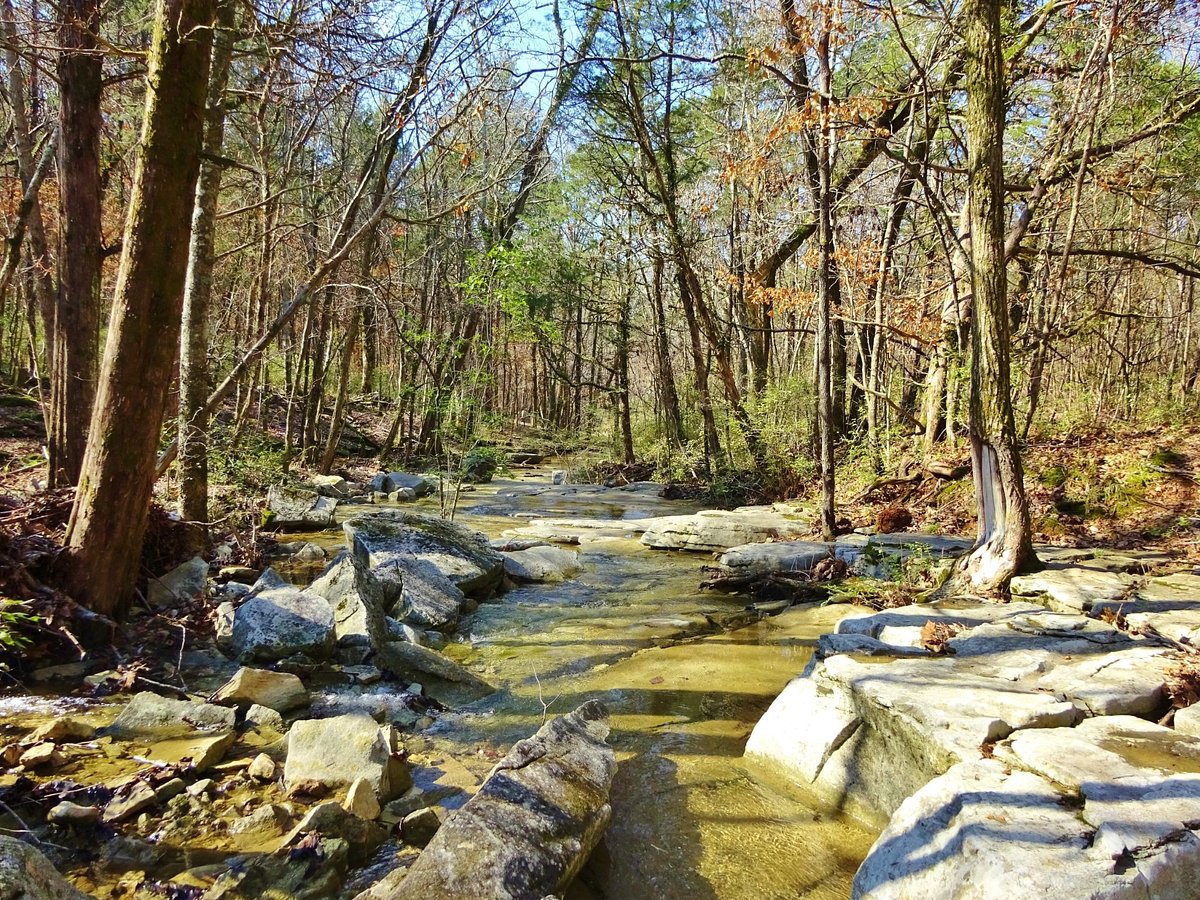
(685, 675)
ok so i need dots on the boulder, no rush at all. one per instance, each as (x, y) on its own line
(983, 828)
(404, 539)
(756, 560)
(719, 530)
(25, 874)
(542, 564)
(405, 659)
(334, 753)
(394, 481)
(185, 582)
(297, 509)
(532, 824)
(334, 486)
(280, 691)
(1187, 721)
(279, 620)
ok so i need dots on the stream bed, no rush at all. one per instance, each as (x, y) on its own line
(685, 676)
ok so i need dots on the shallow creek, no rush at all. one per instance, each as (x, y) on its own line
(685, 675)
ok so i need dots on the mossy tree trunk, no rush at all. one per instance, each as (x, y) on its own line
(108, 519)
(1004, 545)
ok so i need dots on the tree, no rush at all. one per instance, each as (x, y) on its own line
(74, 331)
(1004, 545)
(112, 504)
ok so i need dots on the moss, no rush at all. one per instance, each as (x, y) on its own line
(1166, 458)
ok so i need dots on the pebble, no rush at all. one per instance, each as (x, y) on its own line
(201, 787)
(169, 789)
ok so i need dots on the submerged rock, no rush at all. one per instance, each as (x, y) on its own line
(280, 620)
(25, 874)
(290, 508)
(532, 824)
(150, 716)
(398, 538)
(542, 564)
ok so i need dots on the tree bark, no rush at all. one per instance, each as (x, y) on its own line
(192, 427)
(1004, 545)
(75, 329)
(112, 504)
(826, 289)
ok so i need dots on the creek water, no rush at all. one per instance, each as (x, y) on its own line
(685, 676)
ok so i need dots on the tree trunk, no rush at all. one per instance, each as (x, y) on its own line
(193, 355)
(1004, 546)
(112, 505)
(826, 289)
(75, 329)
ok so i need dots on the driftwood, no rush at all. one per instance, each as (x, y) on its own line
(912, 473)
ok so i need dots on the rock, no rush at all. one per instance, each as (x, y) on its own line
(312, 873)
(183, 583)
(361, 800)
(979, 831)
(419, 827)
(25, 874)
(1073, 590)
(64, 671)
(201, 788)
(394, 481)
(68, 813)
(333, 486)
(543, 564)
(259, 718)
(402, 539)
(1128, 682)
(532, 824)
(756, 560)
(280, 691)
(223, 626)
(177, 730)
(330, 819)
(296, 509)
(337, 752)
(238, 574)
(280, 620)
(402, 496)
(170, 789)
(44, 755)
(916, 719)
(718, 530)
(406, 659)
(262, 767)
(130, 800)
(309, 552)
(269, 818)
(1187, 721)
(558, 476)
(149, 716)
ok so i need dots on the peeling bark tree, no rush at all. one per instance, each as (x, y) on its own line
(1004, 546)
(108, 520)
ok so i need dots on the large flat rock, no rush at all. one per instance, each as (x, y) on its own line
(532, 824)
(1074, 590)
(988, 831)
(714, 530)
(755, 560)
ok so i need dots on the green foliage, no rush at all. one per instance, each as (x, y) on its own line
(1053, 477)
(253, 463)
(479, 464)
(12, 618)
(1166, 458)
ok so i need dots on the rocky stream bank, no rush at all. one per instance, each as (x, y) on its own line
(538, 701)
